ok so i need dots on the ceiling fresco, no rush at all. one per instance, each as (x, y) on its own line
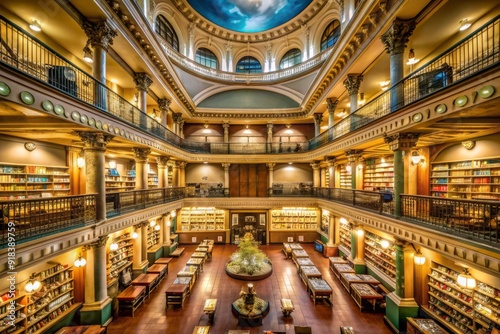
(249, 16)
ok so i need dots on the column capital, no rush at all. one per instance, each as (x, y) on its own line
(73, 149)
(191, 27)
(177, 117)
(94, 140)
(162, 161)
(314, 165)
(142, 81)
(100, 242)
(225, 125)
(270, 166)
(99, 33)
(401, 141)
(141, 154)
(164, 104)
(171, 163)
(330, 162)
(226, 167)
(182, 164)
(353, 155)
(352, 83)
(331, 104)
(270, 126)
(140, 225)
(398, 35)
(318, 118)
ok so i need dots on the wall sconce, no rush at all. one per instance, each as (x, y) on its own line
(418, 258)
(30, 146)
(113, 246)
(464, 24)
(465, 280)
(411, 58)
(80, 261)
(385, 244)
(152, 223)
(112, 164)
(361, 100)
(136, 97)
(169, 223)
(88, 55)
(416, 158)
(173, 213)
(80, 162)
(360, 232)
(135, 235)
(384, 85)
(468, 144)
(35, 26)
(157, 227)
(33, 284)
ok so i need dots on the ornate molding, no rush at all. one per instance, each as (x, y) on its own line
(162, 161)
(99, 33)
(226, 167)
(177, 117)
(94, 140)
(318, 118)
(98, 243)
(332, 104)
(398, 35)
(164, 104)
(141, 154)
(142, 81)
(352, 83)
(401, 141)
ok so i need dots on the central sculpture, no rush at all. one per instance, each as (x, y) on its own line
(249, 263)
(249, 308)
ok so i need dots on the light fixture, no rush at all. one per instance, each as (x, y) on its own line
(361, 99)
(411, 58)
(33, 284)
(464, 24)
(385, 244)
(135, 235)
(343, 221)
(290, 163)
(157, 227)
(112, 164)
(360, 232)
(348, 168)
(80, 162)
(88, 55)
(173, 213)
(30, 146)
(80, 261)
(113, 246)
(35, 26)
(468, 144)
(384, 85)
(416, 157)
(465, 280)
(418, 258)
(169, 223)
(152, 223)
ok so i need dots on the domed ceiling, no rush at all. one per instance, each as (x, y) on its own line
(249, 16)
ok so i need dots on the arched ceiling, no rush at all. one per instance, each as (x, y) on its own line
(249, 16)
(248, 99)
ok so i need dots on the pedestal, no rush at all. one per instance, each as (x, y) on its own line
(398, 309)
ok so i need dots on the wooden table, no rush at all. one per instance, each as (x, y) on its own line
(369, 279)
(335, 260)
(201, 330)
(348, 278)
(164, 260)
(303, 261)
(176, 294)
(197, 262)
(149, 281)
(423, 326)
(342, 268)
(209, 309)
(131, 298)
(189, 271)
(286, 307)
(159, 269)
(364, 292)
(294, 246)
(92, 329)
(299, 253)
(201, 255)
(287, 250)
(319, 288)
(186, 281)
(307, 272)
(238, 331)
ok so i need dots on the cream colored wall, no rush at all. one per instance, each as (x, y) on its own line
(12, 151)
(486, 147)
(195, 173)
(292, 173)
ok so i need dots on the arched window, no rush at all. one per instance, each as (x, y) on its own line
(165, 30)
(248, 65)
(206, 58)
(292, 57)
(330, 35)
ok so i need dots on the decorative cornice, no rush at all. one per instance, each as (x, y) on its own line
(162, 161)
(99, 33)
(94, 140)
(141, 154)
(401, 141)
(164, 104)
(398, 35)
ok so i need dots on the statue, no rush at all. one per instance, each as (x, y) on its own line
(249, 296)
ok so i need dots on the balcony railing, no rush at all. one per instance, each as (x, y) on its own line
(24, 220)
(232, 77)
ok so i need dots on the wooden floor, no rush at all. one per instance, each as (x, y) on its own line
(323, 318)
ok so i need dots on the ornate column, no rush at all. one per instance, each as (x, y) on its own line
(162, 172)
(307, 32)
(270, 166)
(229, 57)
(226, 176)
(316, 175)
(352, 157)
(166, 234)
(352, 83)
(170, 171)
(181, 129)
(142, 82)
(401, 302)
(322, 171)
(177, 118)
(175, 174)
(93, 151)
(164, 105)
(141, 170)
(395, 40)
(269, 57)
(144, 246)
(332, 105)
(398, 143)
(191, 27)
(317, 124)
(269, 138)
(100, 35)
(331, 172)
(137, 263)
(225, 126)
(97, 306)
(182, 173)
(359, 258)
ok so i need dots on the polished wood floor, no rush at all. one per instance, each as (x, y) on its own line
(213, 282)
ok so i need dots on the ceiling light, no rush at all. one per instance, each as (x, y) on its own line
(384, 85)
(88, 56)
(361, 99)
(464, 24)
(35, 26)
(411, 58)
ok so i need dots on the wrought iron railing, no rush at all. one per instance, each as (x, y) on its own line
(126, 201)
(472, 55)
(24, 220)
(257, 148)
(193, 191)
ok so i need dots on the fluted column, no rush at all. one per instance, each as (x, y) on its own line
(181, 129)
(144, 244)
(317, 124)
(331, 172)
(395, 40)
(137, 263)
(76, 176)
(359, 259)
(269, 139)
(270, 167)
(97, 306)
(162, 172)
(142, 82)
(141, 170)
(322, 171)
(182, 173)
(352, 158)
(398, 143)
(166, 230)
(316, 174)
(332, 105)
(226, 174)
(352, 83)
(100, 35)
(175, 174)
(93, 150)
(269, 58)
(164, 105)
(225, 126)
(177, 118)
(229, 58)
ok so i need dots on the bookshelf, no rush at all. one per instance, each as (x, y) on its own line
(152, 180)
(472, 179)
(202, 219)
(116, 182)
(119, 259)
(295, 219)
(379, 173)
(345, 178)
(33, 181)
(345, 238)
(381, 260)
(153, 236)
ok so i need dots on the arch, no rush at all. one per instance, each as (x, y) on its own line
(164, 29)
(283, 48)
(290, 58)
(206, 58)
(248, 64)
(168, 11)
(331, 15)
(330, 35)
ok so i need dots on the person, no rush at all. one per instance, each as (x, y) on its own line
(298, 148)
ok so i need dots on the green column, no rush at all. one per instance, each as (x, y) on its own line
(353, 175)
(400, 270)
(399, 169)
(354, 244)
